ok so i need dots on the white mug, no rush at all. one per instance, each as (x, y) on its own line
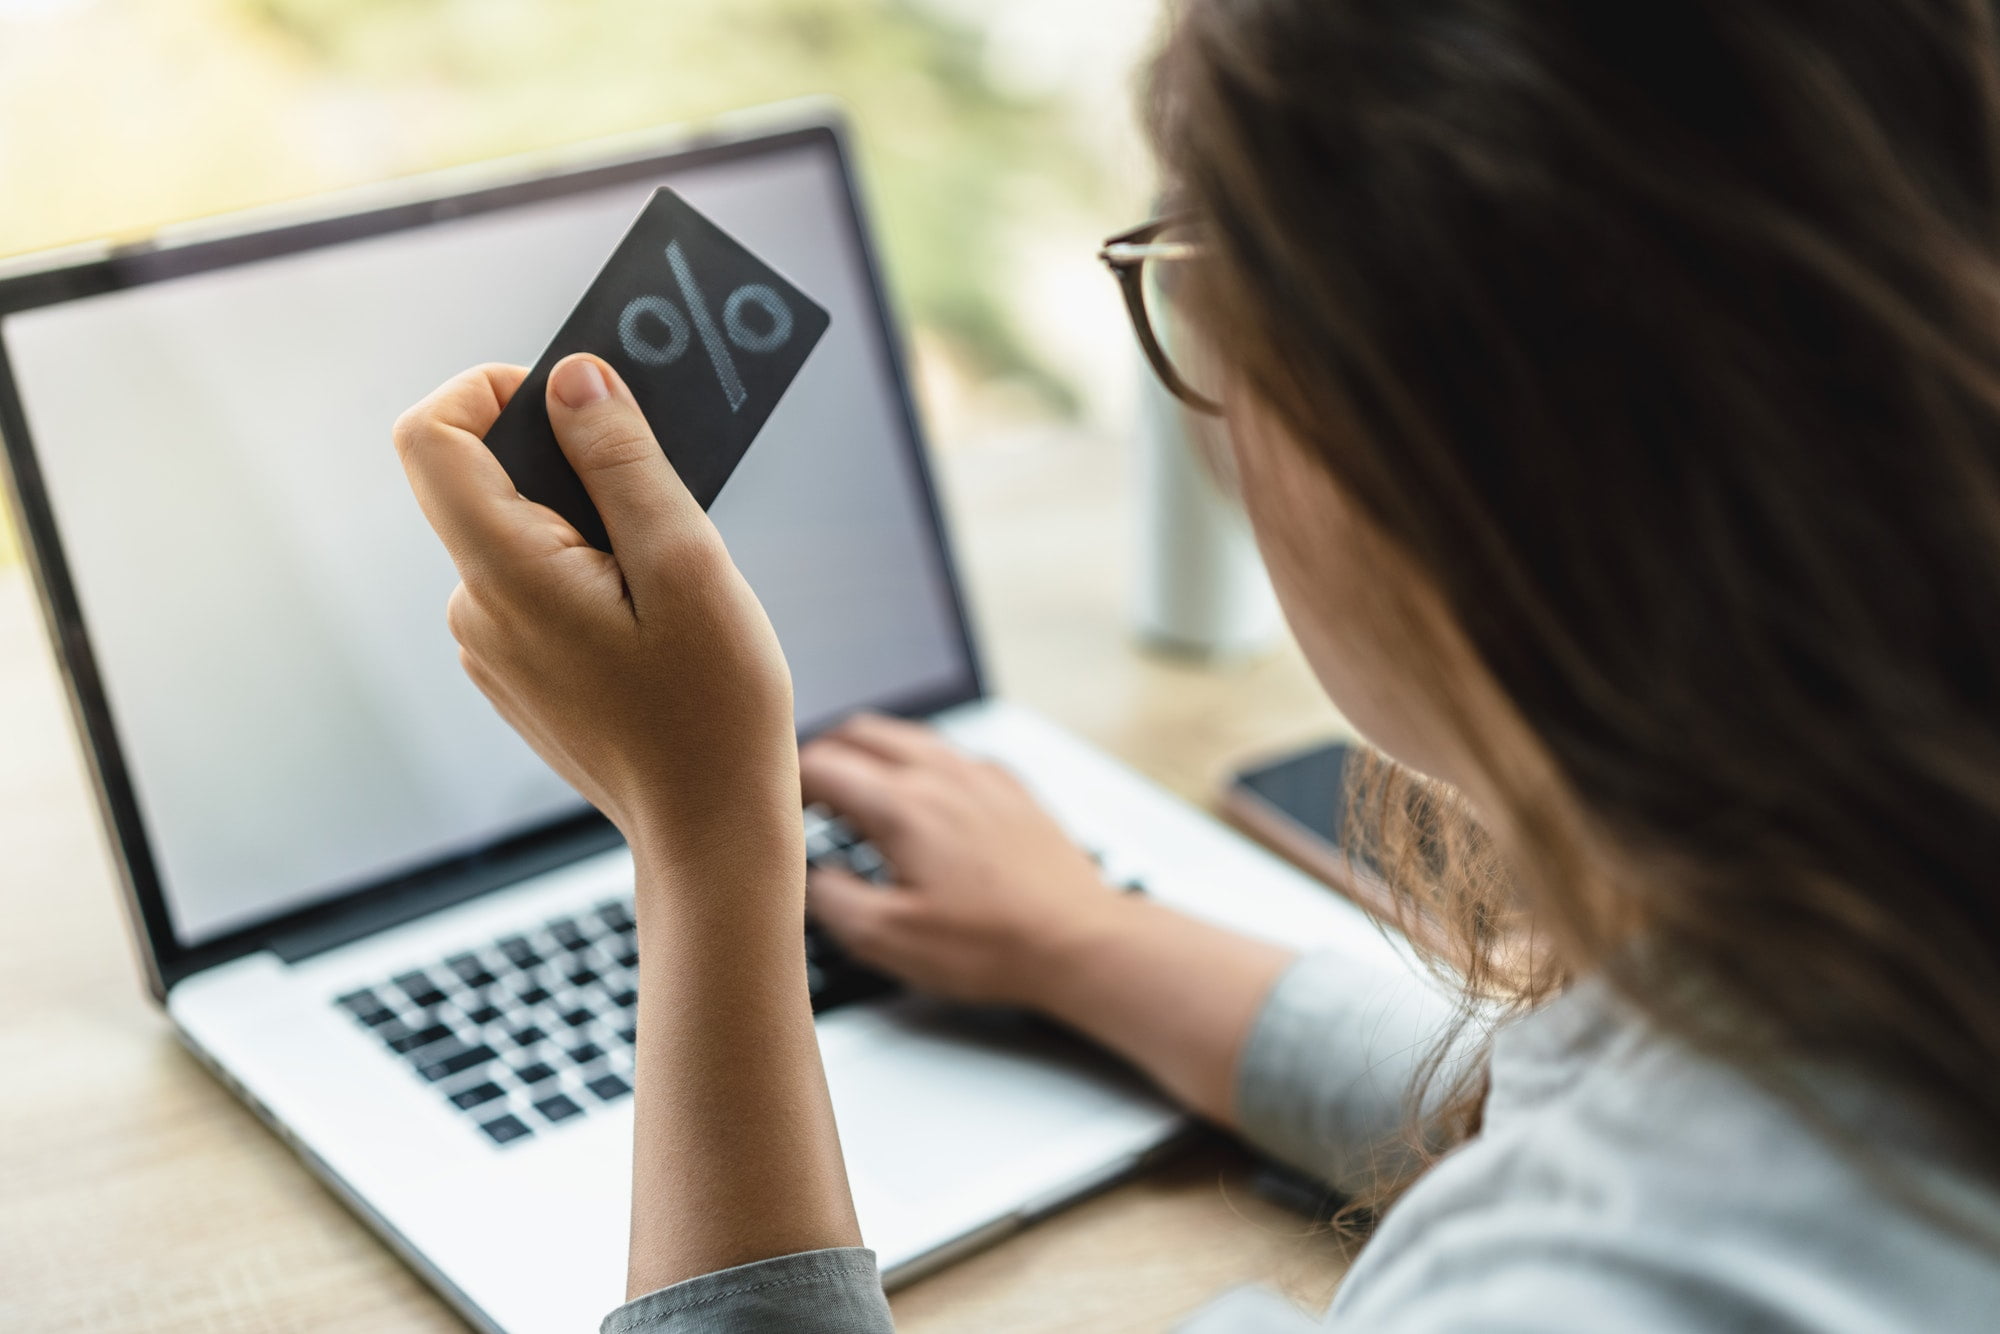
(1203, 591)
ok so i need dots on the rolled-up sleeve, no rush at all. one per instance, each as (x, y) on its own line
(835, 1291)
(1324, 1079)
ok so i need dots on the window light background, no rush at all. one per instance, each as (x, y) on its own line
(998, 142)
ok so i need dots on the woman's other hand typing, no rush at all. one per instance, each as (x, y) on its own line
(991, 901)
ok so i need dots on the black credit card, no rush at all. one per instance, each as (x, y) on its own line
(708, 338)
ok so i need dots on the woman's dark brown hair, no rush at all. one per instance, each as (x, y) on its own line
(1660, 339)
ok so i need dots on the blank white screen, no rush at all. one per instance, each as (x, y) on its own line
(266, 604)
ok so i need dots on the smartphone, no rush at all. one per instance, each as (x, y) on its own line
(1295, 805)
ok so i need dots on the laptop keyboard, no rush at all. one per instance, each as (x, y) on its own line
(536, 1028)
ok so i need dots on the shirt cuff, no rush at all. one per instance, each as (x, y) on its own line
(1324, 1080)
(836, 1291)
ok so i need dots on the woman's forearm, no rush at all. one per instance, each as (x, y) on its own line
(1175, 996)
(652, 681)
(735, 1154)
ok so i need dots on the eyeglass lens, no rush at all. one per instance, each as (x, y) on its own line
(1164, 283)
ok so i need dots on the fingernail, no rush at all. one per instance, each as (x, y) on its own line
(579, 383)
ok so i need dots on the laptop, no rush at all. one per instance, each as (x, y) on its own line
(367, 906)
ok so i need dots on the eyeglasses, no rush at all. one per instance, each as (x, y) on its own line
(1147, 261)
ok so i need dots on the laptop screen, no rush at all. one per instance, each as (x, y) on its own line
(262, 598)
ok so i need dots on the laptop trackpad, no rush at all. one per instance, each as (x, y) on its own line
(934, 1102)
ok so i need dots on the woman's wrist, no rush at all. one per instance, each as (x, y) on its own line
(733, 871)
(1175, 995)
(1055, 955)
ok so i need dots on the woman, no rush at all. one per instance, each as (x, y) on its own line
(1615, 390)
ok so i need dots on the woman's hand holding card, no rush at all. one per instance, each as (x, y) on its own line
(650, 679)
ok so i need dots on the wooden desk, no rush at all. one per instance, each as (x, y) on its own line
(136, 1194)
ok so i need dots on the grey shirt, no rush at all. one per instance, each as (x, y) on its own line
(1619, 1181)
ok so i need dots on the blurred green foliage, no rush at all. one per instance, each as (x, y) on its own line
(951, 159)
(119, 115)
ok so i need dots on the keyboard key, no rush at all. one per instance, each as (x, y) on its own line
(421, 989)
(485, 1014)
(534, 1074)
(628, 1035)
(582, 977)
(609, 1087)
(409, 1041)
(616, 916)
(518, 951)
(526, 1036)
(478, 1093)
(534, 995)
(558, 1108)
(628, 958)
(568, 934)
(367, 1008)
(506, 1129)
(625, 999)
(586, 1052)
(437, 1067)
(578, 1017)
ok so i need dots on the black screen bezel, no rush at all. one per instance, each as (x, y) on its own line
(345, 914)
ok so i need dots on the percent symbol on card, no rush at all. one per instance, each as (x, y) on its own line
(646, 317)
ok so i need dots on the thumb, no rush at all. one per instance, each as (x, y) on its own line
(646, 509)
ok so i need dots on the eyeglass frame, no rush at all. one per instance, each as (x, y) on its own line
(1125, 255)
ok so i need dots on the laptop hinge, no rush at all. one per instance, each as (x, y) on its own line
(344, 923)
